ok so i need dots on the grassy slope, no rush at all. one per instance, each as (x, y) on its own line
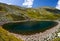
(56, 39)
(5, 36)
(15, 13)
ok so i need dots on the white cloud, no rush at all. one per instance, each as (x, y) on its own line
(58, 5)
(9, 3)
(28, 3)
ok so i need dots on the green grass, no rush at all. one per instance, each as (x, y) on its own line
(5, 36)
(56, 39)
(16, 13)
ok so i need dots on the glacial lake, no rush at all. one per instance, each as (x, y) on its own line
(29, 27)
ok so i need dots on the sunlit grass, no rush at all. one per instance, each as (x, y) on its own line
(56, 39)
(6, 36)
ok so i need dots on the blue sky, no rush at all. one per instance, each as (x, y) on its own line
(31, 3)
(40, 3)
(14, 2)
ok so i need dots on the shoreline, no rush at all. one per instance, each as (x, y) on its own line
(39, 36)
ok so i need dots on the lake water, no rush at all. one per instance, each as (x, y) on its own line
(29, 27)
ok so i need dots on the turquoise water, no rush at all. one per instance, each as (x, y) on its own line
(29, 26)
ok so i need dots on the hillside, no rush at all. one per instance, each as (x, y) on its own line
(16, 13)
(6, 36)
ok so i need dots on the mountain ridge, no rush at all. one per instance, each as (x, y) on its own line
(13, 12)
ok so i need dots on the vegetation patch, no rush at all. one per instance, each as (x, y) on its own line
(5, 36)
